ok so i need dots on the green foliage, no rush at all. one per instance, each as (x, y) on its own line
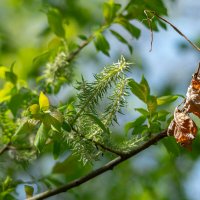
(101, 43)
(152, 118)
(79, 126)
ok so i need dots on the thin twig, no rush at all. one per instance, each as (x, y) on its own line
(109, 166)
(174, 27)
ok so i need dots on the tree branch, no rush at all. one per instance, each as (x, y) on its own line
(109, 166)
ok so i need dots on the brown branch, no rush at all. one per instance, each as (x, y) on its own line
(109, 166)
(174, 27)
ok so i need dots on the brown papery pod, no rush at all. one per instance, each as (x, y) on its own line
(183, 128)
(192, 102)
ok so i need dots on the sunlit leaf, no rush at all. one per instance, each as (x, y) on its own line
(34, 109)
(166, 99)
(43, 102)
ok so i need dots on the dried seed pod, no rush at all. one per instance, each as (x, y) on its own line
(192, 102)
(182, 128)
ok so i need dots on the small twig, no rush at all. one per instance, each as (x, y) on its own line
(174, 27)
(151, 30)
(109, 166)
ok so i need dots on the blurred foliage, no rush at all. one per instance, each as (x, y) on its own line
(40, 42)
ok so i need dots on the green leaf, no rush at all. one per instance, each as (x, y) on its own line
(66, 126)
(53, 119)
(98, 122)
(155, 127)
(56, 22)
(133, 30)
(142, 111)
(140, 130)
(25, 128)
(83, 37)
(28, 190)
(145, 86)
(41, 137)
(138, 122)
(136, 89)
(110, 10)
(162, 115)
(151, 104)
(12, 77)
(56, 148)
(101, 43)
(171, 146)
(121, 39)
(166, 99)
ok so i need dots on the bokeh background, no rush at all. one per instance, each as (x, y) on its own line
(154, 173)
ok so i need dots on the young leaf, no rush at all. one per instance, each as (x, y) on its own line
(151, 104)
(145, 86)
(34, 109)
(166, 99)
(142, 111)
(102, 44)
(43, 102)
(121, 39)
(136, 89)
(138, 122)
(41, 137)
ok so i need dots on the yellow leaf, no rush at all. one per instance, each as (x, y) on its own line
(43, 102)
(34, 109)
(3, 70)
(5, 91)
